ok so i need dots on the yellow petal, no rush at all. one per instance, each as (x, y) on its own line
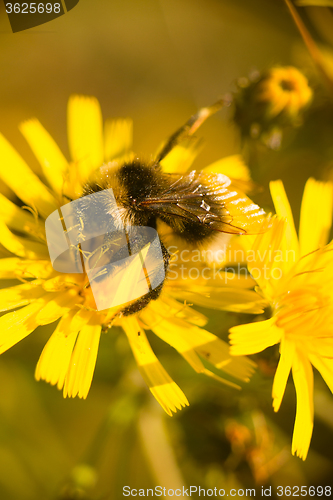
(85, 134)
(8, 267)
(32, 268)
(58, 305)
(254, 337)
(183, 311)
(275, 107)
(226, 249)
(191, 341)
(287, 351)
(303, 379)
(316, 215)
(182, 156)
(54, 360)
(283, 209)
(51, 159)
(25, 184)
(80, 319)
(216, 352)
(270, 258)
(83, 361)
(21, 246)
(118, 138)
(189, 274)
(167, 331)
(325, 368)
(18, 219)
(19, 295)
(319, 346)
(232, 166)
(16, 325)
(74, 181)
(226, 299)
(163, 388)
(61, 282)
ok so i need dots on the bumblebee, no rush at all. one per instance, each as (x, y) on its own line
(195, 206)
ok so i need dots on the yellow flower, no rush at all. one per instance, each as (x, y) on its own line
(275, 99)
(46, 296)
(283, 90)
(295, 276)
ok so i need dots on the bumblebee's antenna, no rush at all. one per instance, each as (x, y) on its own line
(190, 127)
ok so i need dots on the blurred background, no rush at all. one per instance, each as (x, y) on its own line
(158, 61)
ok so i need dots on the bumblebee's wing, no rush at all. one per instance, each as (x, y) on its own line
(246, 186)
(209, 199)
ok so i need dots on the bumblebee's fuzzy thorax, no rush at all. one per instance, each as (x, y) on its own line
(141, 180)
(132, 183)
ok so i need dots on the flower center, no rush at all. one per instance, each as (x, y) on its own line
(288, 85)
(300, 312)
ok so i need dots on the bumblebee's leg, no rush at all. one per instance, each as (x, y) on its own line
(190, 127)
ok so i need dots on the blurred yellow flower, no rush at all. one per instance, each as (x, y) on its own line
(295, 276)
(275, 99)
(46, 296)
(283, 90)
